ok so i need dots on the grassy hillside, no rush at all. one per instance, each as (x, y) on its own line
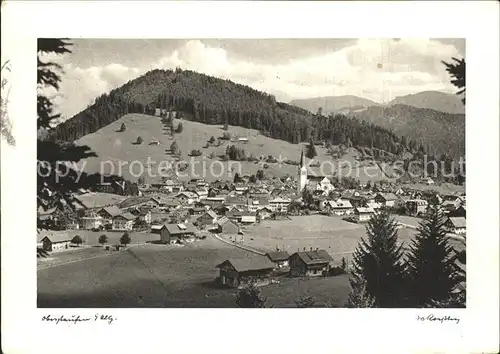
(113, 147)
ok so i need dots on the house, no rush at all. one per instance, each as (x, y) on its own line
(234, 214)
(255, 203)
(325, 185)
(196, 210)
(91, 222)
(202, 193)
(227, 226)
(238, 272)
(312, 263)
(211, 201)
(108, 213)
(170, 232)
(145, 216)
(339, 207)
(456, 225)
(55, 242)
(363, 214)
(208, 218)
(279, 204)
(451, 203)
(123, 222)
(459, 212)
(187, 198)
(264, 213)
(357, 200)
(416, 207)
(249, 218)
(386, 199)
(279, 258)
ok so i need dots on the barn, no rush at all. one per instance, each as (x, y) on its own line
(312, 263)
(239, 272)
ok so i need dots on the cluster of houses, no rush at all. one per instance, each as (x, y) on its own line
(224, 207)
(260, 270)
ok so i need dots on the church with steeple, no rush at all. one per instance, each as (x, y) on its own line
(301, 174)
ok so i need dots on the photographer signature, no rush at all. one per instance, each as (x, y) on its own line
(441, 319)
(75, 319)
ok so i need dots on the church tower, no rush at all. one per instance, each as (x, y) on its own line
(301, 174)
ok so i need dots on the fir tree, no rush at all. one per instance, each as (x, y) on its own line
(432, 263)
(125, 239)
(378, 264)
(123, 127)
(311, 150)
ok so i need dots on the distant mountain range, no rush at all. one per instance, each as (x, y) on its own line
(436, 100)
(443, 132)
(335, 104)
(431, 117)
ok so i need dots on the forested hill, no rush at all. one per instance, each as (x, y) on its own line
(211, 100)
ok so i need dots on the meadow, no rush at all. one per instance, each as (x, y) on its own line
(333, 234)
(157, 276)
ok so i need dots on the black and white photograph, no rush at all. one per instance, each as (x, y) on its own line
(251, 173)
(249, 177)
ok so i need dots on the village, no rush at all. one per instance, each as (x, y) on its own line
(174, 214)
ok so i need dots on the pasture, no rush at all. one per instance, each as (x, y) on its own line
(333, 234)
(340, 238)
(157, 276)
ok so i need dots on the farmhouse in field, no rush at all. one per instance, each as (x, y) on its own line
(54, 242)
(169, 232)
(279, 258)
(311, 263)
(238, 272)
(456, 225)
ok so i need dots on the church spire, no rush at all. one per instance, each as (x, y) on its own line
(302, 161)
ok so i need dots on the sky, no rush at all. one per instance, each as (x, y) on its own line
(377, 69)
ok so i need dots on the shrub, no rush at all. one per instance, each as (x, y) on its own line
(225, 136)
(266, 165)
(179, 128)
(103, 239)
(305, 301)
(77, 240)
(196, 153)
